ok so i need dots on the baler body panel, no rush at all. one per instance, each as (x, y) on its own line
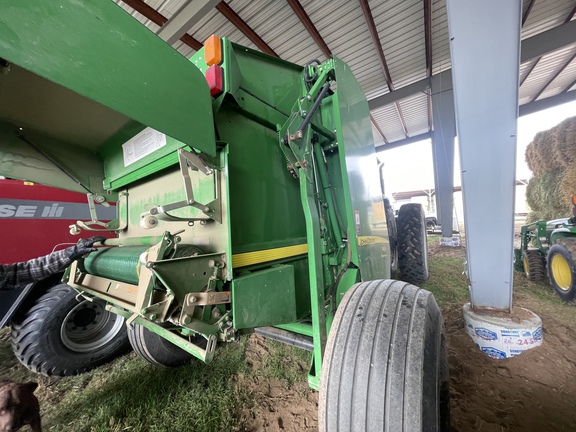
(261, 206)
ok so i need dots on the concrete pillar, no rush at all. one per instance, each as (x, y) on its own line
(485, 51)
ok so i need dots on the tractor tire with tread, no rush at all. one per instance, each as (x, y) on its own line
(412, 244)
(385, 364)
(562, 268)
(534, 265)
(55, 334)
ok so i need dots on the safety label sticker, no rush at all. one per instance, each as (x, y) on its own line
(141, 145)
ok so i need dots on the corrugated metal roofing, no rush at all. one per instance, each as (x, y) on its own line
(400, 26)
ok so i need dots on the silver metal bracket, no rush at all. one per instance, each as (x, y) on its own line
(190, 160)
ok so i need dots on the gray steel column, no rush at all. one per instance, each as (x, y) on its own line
(443, 151)
(485, 51)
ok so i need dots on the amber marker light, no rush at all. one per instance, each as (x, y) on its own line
(213, 50)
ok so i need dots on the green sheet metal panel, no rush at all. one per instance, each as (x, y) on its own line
(98, 50)
(360, 177)
(264, 298)
(123, 166)
(21, 161)
(264, 197)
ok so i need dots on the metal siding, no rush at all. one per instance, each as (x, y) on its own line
(440, 40)
(562, 81)
(388, 120)
(545, 15)
(401, 30)
(415, 111)
(526, 67)
(546, 67)
(276, 24)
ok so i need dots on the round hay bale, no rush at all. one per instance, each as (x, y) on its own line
(567, 140)
(534, 217)
(545, 197)
(565, 144)
(531, 159)
(544, 143)
(568, 186)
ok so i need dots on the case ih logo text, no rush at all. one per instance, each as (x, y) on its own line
(31, 211)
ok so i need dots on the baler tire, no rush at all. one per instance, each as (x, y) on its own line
(412, 244)
(155, 349)
(385, 365)
(392, 237)
(562, 268)
(534, 265)
(55, 334)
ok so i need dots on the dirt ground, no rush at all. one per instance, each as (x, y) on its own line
(533, 392)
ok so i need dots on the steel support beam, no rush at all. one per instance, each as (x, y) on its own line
(443, 156)
(485, 48)
(533, 47)
(184, 19)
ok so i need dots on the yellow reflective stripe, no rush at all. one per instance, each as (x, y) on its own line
(261, 256)
(369, 240)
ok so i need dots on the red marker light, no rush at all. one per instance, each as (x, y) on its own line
(215, 79)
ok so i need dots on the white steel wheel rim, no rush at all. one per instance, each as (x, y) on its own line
(89, 326)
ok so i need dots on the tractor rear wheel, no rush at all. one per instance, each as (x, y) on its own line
(155, 349)
(534, 265)
(562, 268)
(60, 335)
(385, 365)
(412, 243)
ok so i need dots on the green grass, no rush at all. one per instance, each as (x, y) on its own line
(134, 396)
(446, 281)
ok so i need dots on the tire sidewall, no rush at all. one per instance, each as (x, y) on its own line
(155, 349)
(53, 357)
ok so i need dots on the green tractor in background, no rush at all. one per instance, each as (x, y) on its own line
(550, 245)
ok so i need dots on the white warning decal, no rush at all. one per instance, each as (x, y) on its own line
(146, 142)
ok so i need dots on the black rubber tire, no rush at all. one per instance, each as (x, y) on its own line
(392, 237)
(385, 365)
(562, 268)
(534, 265)
(155, 349)
(47, 338)
(412, 244)
(430, 225)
